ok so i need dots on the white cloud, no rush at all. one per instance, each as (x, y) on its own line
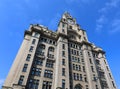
(115, 25)
(104, 17)
(1, 82)
(109, 5)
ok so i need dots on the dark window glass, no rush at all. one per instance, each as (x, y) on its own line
(28, 57)
(20, 80)
(25, 67)
(33, 41)
(63, 71)
(63, 84)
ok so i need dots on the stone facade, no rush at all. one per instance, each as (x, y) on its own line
(64, 59)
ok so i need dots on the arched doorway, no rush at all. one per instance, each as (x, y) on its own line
(78, 86)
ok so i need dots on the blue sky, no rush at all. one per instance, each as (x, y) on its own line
(101, 20)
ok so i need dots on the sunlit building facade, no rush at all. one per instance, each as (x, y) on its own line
(64, 59)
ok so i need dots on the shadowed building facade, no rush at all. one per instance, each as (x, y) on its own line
(64, 59)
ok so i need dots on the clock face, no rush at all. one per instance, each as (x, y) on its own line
(70, 21)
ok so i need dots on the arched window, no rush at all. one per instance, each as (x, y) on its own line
(78, 86)
(51, 49)
(42, 46)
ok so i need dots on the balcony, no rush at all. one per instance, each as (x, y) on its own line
(40, 54)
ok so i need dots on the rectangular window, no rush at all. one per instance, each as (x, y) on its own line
(92, 68)
(31, 49)
(25, 68)
(63, 30)
(20, 80)
(71, 51)
(73, 66)
(63, 53)
(76, 67)
(80, 77)
(90, 61)
(47, 85)
(63, 71)
(83, 68)
(63, 61)
(110, 75)
(63, 83)
(77, 53)
(63, 46)
(36, 71)
(79, 60)
(48, 74)
(49, 64)
(28, 57)
(33, 41)
(38, 62)
(33, 84)
(79, 68)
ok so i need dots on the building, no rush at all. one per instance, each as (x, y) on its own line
(64, 59)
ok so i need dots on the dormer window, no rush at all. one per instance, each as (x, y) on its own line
(70, 27)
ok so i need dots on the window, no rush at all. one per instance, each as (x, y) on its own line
(92, 68)
(63, 61)
(88, 53)
(73, 59)
(74, 52)
(50, 56)
(90, 60)
(42, 46)
(70, 27)
(28, 57)
(36, 71)
(82, 60)
(63, 30)
(110, 75)
(47, 85)
(85, 79)
(53, 42)
(107, 68)
(49, 64)
(79, 60)
(33, 84)
(36, 34)
(51, 49)
(87, 87)
(79, 68)
(80, 77)
(77, 53)
(74, 75)
(31, 49)
(63, 25)
(63, 83)
(25, 68)
(33, 41)
(77, 76)
(63, 53)
(83, 68)
(94, 77)
(113, 84)
(50, 41)
(38, 62)
(96, 86)
(63, 71)
(63, 46)
(73, 66)
(71, 51)
(48, 74)
(20, 80)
